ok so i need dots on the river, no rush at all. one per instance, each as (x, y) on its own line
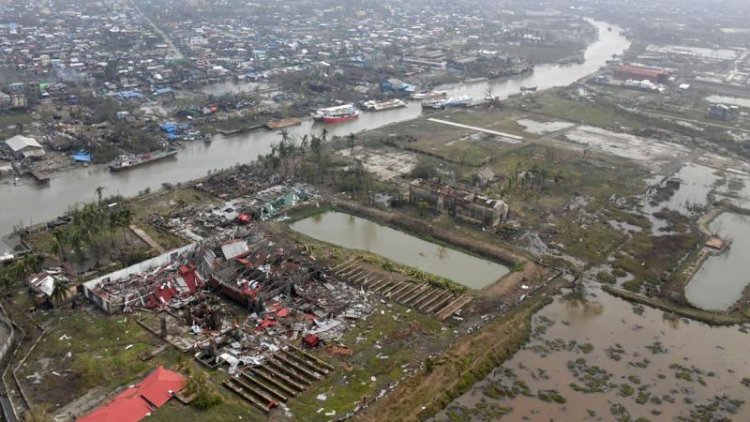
(28, 203)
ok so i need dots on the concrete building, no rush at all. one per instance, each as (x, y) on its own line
(25, 147)
(459, 203)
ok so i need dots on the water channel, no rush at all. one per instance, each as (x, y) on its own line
(598, 357)
(719, 282)
(28, 203)
(357, 233)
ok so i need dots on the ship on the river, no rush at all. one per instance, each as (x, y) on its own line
(128, 161)
(336, 114)
(374, 105)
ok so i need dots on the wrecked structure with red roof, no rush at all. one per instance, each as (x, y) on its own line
(138, 401)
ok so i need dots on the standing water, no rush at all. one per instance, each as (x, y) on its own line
(597, 357)
(719, 282)
(353, 232)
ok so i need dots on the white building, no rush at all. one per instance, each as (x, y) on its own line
(25, 147)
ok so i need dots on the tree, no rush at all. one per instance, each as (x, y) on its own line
(350, 138)
(59, 290)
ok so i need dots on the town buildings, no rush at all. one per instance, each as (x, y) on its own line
(459, 203)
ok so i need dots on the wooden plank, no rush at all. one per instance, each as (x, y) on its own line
(442, 296)
(254, 390)
(278, 367)
(280, 385)
(302, 361)
(391, 288)
(313, 357)
(299, 368)
(229, 385)
(453, 307)
(432, 292)
(404, 285)
(413, 288)
(408, 298)
(440, 304)
(270, 389)
(277, 374)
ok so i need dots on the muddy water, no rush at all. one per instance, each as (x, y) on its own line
(28, 204)
(719, 282)
(626, 359)
(742, 102)
(357, 233)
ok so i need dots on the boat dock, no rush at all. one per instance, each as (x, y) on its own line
(39, 176)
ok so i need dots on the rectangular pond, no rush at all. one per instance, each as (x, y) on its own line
(353, 232)
(719, 282)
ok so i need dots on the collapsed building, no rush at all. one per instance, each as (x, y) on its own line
(459, 203)
(168, 278)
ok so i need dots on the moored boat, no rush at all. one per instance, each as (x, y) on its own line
(336, 114)
(374, 105)
(128, 161)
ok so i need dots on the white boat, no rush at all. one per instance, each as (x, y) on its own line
(428, 95)
(336, 114)
(374, 105)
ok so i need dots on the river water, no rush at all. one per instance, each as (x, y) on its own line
(29, 203)
(608, 359)
(353, 232)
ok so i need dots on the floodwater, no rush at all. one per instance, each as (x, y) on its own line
(608, 359)
(722, 99)
(719, 282)
(353, 232)
(28, 203)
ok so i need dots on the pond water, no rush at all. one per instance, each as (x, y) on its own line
(353, 232)
(719, 282)
(596, 357)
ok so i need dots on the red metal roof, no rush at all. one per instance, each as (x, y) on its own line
(642, 71)
(135, 403)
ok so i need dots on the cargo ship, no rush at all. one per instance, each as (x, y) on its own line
(336, 114)
(128, 161)
(374, 105)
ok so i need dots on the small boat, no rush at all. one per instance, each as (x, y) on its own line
(528, 88)
(336, 114)
(374, 105)
(280, 124)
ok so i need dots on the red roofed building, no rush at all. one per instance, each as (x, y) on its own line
(639, 73)
(138, 401)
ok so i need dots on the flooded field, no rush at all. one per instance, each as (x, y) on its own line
(358, 233)
(741, 102)
(719, 282)
(596, 357)
(625, 145)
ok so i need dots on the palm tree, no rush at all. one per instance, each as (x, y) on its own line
(59, 290)
(350, 143)
(58, 244)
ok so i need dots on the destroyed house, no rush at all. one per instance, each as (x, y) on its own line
(256, 277)
(167, 279)
(459, 203)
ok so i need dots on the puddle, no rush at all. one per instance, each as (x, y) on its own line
(722, 99)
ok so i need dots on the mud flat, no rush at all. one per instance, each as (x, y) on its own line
(593, 356)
